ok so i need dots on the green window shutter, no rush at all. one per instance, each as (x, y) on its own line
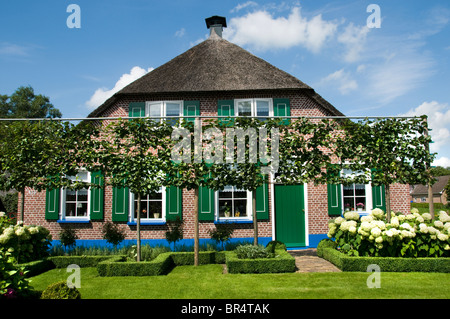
(378, 196)
(206, 204)
(191, 108)
(334, 194)
(136, 109)
(225, 108)
(334, 199)
(120, 204)
(262, 202)
(52, 197)
(281, 107)
(174, 203)
(97, 196)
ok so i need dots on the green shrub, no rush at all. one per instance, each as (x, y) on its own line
(325, 243)
(10, 201)
(68, 237)
(252, 252)
(275, 245)
(13, 283)
(175, 232)
(112, 233)
(60, 290)
(222, 233)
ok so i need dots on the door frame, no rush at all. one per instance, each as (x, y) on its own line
(272, 208)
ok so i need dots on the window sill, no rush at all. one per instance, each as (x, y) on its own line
(75, 221)
(156, 222)
(233, 221)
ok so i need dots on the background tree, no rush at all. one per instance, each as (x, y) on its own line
(24, 103)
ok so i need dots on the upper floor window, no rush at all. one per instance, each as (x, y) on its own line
(165, 108)
(254, 107)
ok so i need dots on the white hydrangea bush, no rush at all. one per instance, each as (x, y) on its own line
(406, 235)
(25, 242)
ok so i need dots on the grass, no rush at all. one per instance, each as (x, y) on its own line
(208, 282)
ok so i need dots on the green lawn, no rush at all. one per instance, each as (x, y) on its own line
(208, 282)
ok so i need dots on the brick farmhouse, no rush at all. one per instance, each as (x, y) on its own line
(212, 78)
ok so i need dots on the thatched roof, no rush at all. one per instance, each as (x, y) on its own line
(215, 65)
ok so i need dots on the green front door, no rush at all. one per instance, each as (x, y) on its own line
(290, 215)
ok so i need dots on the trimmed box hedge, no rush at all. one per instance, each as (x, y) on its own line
(283, 262)
(164, 263)
(118, 266)
(34, 268)
(161, 265)
(388, 264)
(82, 261)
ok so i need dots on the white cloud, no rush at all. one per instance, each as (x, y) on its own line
(442, 161)
(354, 39)
(262, 31)
(102, 94)
(438, 121)
(340, 79)
(243, 5)
(399, 73)
(180, 33)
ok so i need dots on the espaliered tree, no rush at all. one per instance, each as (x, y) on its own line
(250, 155)
(38, 155)
(307, 149)
(132, 155)
(188, 170)
(395, 149)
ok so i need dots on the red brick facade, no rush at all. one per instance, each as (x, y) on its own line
(317, 210)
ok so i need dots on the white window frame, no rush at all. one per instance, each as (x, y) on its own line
(368, 190)
(163, 108)
(253, 105)
(64, 197)
(249, 209)
(162, 218)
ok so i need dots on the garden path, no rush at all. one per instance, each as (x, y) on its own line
(307, 260)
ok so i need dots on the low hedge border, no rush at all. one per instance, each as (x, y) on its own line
(165, 262)
(283, 262)
(82, 261)
(387, 264)
(161, 265)
(34, 268)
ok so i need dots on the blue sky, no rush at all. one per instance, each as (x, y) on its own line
(401, 68)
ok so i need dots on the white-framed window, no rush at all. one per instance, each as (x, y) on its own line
(164, 108)
(356, 197)
(153, 206)
(75, 203)
(233, 204)
(254, 107)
